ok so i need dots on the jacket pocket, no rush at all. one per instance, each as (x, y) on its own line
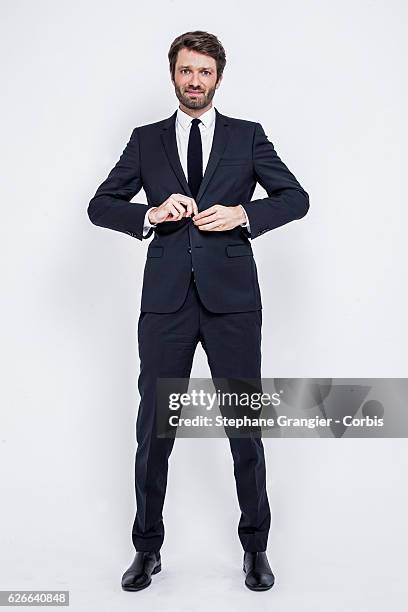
(155, 251)
(238, 250)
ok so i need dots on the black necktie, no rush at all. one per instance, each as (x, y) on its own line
(195, 158)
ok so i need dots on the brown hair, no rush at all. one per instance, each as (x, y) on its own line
(202, 42)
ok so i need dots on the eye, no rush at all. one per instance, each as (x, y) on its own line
(184, 70)
(206, 72)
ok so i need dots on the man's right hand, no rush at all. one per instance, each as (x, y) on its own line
(174, 208)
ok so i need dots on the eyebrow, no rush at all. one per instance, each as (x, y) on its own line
(201, 68)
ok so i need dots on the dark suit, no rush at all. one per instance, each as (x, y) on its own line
(224, 266)
(218, 304)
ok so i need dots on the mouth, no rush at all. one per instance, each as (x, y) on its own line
(194, 93)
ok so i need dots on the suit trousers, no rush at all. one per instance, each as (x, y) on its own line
(167, 343)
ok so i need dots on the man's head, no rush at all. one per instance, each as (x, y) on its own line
(197, 61)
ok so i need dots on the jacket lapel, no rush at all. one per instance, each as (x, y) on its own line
(170, 145)
(220, 140)
(219, 143)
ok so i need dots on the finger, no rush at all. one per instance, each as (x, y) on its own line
(195, 208)
(174, 212)
(208, 219)
(180, 205)
(180, 197)
(189, 209)
(206, 212)
(215, 225)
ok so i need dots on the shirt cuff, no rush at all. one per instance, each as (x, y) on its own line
(246, 222)
(146, 224)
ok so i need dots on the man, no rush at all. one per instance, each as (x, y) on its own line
(199, 169)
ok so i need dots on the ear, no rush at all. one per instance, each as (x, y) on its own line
(219, 82)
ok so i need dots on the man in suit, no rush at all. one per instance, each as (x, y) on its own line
(199, 169)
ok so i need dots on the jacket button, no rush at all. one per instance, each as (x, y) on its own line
(189, 249)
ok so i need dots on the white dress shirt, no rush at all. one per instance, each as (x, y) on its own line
(183, 125)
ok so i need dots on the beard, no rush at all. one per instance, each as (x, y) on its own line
(195, 102)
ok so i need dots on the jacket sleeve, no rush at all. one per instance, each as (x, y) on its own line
(110, 207)
(286, 200)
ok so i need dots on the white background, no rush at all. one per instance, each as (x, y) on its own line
(327, 82)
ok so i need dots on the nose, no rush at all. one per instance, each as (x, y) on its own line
(195, 81)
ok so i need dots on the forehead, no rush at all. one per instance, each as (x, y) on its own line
(188, 57)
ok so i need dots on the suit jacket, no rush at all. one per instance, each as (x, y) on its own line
(224, 266)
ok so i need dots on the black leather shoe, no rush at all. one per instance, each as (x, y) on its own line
(139, 574)
(259, 576)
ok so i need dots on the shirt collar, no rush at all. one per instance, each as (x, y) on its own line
(185, 120)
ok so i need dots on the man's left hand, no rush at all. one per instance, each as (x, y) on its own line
(219, 218)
